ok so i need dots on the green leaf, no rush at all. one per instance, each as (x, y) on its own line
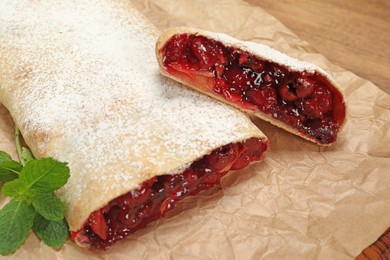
(53, 233)
(9, 170)
(26, 155)
(44, 175)
(16, 220)
(14, 188)
(49, 206)
(5, 157)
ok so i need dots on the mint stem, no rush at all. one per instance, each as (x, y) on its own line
(19, 146)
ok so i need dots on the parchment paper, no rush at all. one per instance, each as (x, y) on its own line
(302, 202)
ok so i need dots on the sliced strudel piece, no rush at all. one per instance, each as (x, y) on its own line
(80, 79)
(294, 95)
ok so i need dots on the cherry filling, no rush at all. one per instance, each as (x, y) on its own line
(306, 101)
(135, 209)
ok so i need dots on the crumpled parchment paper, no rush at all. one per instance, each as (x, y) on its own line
(302, 202)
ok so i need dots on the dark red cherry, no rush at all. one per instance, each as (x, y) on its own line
(177, 50)
(317, 104)
(98, 224)
(295, 89)
(252, 151)
(263, 98)
(208, 54)
(219, 70)
(324, 129)
(305, 87)
(238, 78)
(221, 157)
(288, 93)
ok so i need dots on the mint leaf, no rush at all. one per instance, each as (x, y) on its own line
(14, 188)
(16, 220)
(53, 233)
(49, 206)
(26, 155)
(44, 175)
(9, 170)
(5, 157)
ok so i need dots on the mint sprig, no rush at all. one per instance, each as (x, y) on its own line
(31, 183)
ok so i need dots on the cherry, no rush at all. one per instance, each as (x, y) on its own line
(263, 98)
(208, 54)
(171, 181)
(252, 150)
(324, 129)
(318, 104)
(268, 79)
(220, 86)
(98, 224)
(127, 217)
(144, 211)
(305, 87)
(288, 93)
(219, 70)
(202, 168)
(238, 78)
(167, 205)
(113, 213)
(211, 179)
(298, 88)
(158, 186)
(141, 194)
(200, 51)
(244, 59)
(233, 94)
(175, 51)
(221, 157)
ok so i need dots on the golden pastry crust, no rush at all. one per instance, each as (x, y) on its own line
(83, 87)
(259, 50)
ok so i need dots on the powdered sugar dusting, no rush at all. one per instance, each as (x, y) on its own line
(81, 81)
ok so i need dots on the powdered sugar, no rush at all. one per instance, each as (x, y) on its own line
(81, 80)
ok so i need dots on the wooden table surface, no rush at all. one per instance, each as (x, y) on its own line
(353, 34)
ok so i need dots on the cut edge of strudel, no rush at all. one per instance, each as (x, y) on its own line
(294, 95)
